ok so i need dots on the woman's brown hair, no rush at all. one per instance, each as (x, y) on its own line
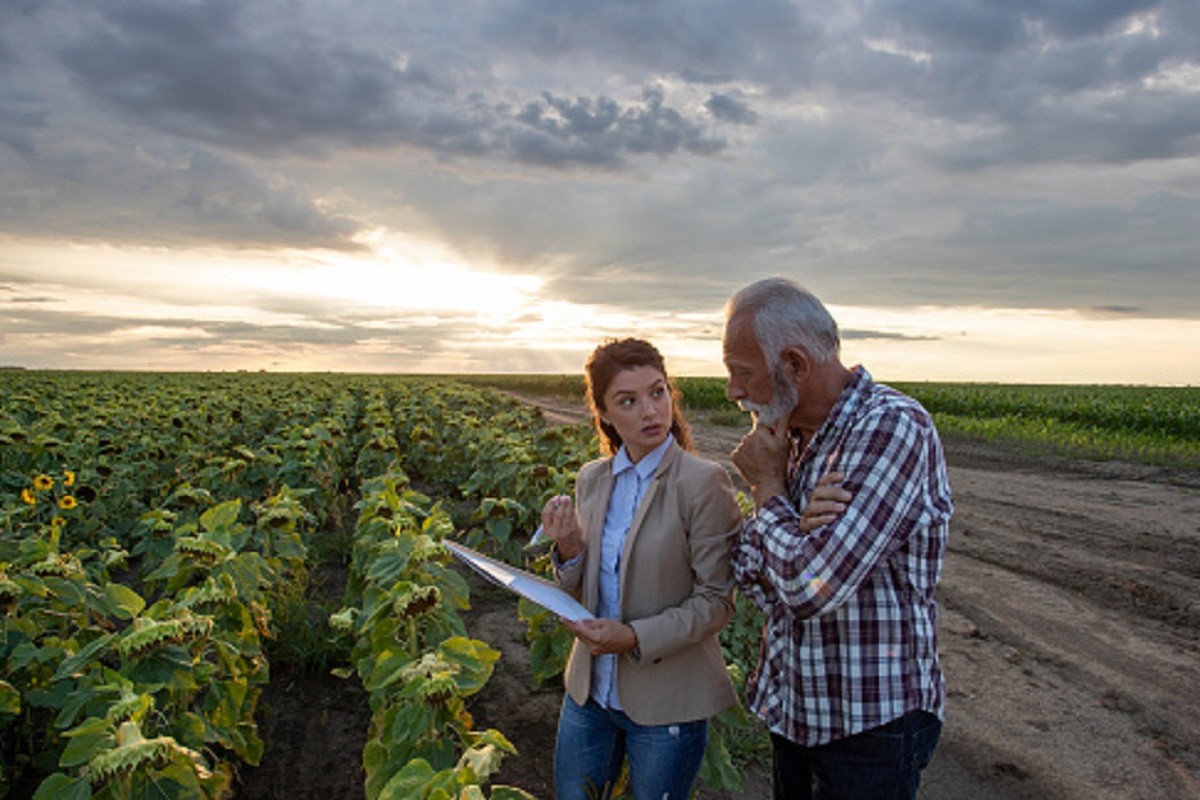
(614, 356)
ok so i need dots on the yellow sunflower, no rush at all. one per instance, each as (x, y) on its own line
(68, 478)
(28, 497)
(58, 522)
(66, 502)
(43, 483)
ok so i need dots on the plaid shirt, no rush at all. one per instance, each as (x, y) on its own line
(850, 640)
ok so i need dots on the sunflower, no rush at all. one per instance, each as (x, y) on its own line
(28, 497)
(58, 522)
(66, 502)
(43, 483)
(68, 478)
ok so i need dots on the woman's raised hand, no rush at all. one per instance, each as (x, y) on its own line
(561, 524)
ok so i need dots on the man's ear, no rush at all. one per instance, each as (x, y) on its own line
(796, 363)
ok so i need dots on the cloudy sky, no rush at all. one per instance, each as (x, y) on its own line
(979, 190)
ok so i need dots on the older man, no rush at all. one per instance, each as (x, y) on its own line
(848, 681)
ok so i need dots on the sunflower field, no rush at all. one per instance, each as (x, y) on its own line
(153, 527)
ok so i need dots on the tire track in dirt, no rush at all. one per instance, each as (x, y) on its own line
(1069, 631)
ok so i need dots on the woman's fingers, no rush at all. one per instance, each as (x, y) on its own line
(560, 523)
(558, 515)
(602, 636)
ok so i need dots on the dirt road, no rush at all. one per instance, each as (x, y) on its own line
(1070, 633)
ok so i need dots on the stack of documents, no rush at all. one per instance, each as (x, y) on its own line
(526, 584)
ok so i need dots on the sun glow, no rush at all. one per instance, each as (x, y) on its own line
(402, 273)
(402, 305)
(1021, 346)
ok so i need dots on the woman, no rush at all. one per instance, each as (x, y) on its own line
(645, 547)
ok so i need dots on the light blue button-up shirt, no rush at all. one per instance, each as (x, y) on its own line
(629, 486)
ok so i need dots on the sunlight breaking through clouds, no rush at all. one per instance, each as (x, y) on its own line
(222, 185)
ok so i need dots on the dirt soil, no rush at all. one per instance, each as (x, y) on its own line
(1070, 638)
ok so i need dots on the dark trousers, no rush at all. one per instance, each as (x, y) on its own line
(882, 763)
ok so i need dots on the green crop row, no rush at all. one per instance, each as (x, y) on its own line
(148, 524)
(412, 654)
(1158, 425)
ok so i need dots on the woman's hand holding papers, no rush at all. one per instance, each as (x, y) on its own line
(603, 636)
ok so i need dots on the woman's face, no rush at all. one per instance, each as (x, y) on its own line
(638, 404)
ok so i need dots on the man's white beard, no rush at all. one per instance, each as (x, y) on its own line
(784, 398)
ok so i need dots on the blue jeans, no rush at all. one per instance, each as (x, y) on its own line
(593, 742)
(882, 763)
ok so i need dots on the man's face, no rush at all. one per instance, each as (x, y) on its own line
(785, 396)
(756, 386)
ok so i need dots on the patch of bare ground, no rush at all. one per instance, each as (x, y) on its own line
(314, 724)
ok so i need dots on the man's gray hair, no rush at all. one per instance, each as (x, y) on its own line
(785, 315)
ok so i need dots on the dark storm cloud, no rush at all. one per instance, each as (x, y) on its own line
(24, 116)
(710, 42)
(1102, 241)
(203, 72)
(163, 193)
(1038, 253)
(975, 24)
(348, 331)
(730, 109)
(599, 132)
(636, 155)
(194, 70)
(1048, 81)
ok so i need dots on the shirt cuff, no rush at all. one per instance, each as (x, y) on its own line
(558, 563)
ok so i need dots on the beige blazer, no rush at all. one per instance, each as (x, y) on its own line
(676, 588)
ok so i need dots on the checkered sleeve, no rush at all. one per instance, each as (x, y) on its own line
(820, 571)
(747, 559)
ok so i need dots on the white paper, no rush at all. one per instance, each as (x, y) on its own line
(526, 584)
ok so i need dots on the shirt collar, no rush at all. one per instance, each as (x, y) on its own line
(849, 402)
(649, 463)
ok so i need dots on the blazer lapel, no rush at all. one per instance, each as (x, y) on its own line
(594, 526)
(643, 508)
